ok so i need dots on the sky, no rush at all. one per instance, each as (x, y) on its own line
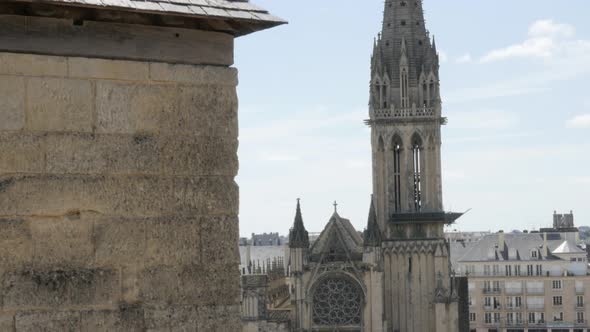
(515, 87)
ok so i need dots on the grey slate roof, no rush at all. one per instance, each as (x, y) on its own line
(567, 247)
(522, 245)
(237, 10)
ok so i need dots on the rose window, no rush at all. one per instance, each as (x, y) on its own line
(337, 302)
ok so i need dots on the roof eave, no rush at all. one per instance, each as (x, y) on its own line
(237, 25)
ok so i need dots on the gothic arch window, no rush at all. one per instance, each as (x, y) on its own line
(396, 148)
(417, 161)
(337, 302)
(404, 87)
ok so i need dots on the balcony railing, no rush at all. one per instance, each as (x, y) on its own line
(513, 307)
(414, 112)
(535, 290)
(492, 291)
(515, 323)
(510, 290)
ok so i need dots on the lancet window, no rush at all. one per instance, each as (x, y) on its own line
(417, 147)
(397, 162)
(404, 84)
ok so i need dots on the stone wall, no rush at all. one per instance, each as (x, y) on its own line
(118, 206)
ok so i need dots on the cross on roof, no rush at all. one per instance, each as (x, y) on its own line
(335, 207)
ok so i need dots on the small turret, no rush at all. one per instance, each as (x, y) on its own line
(372, 235)
(298, 236)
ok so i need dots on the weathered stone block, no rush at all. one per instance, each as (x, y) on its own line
(12, 102)
(60, 287)
(128, 318)
(86, 153)
(49, 321)
(108, 69)
(204, 110)
(220, 246)
(6, 322)
(56, 104)
(74, 153)
(132, 154)
(195, 75)
(204, 196)
(171, 318)
(181, 285)
(133, 108)
(32, 65)
(16, 245)
(219, 318)
(223, 284)
(173, 241)
(62, 241)
(119, 241)
(199, 155)
(21, 153)
(60, 194)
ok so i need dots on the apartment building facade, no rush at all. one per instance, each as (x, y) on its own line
(534, 282)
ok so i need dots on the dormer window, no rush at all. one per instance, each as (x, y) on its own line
(534, 254)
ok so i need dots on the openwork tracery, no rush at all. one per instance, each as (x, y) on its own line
(337, 302)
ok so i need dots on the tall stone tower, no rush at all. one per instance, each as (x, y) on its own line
(405, 121)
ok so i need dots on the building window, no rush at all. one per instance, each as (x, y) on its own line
(397, 174)
(417, 153)
(539, 270)
(487, 302)
(534, 254)
(556, 284)
(496, 317)
(472, 317)
(496, 286)
(497, 303)
(337, 302)
(558, 316)
(486, 270)
(517, 270)
(529, 270)
(557, 301)
(488, 318)
(508, 270)
(496, 270)
(580, 301)
(580, 317)
(487, 286)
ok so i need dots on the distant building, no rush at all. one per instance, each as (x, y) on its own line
(526, 281)
(467, 237)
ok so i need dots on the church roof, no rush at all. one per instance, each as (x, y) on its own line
(338, 235)
(249, 18)
(567, 247)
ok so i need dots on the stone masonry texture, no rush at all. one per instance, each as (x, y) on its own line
(118, 206)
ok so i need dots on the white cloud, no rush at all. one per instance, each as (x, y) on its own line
(465, 58)
(546, 38)
(580, 121)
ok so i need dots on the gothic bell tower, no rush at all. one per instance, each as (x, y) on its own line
(405, 116)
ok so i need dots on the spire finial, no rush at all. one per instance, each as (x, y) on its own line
(298, 236)
(335, 207)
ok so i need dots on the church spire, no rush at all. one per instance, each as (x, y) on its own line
(298, 236)
(372, 235)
